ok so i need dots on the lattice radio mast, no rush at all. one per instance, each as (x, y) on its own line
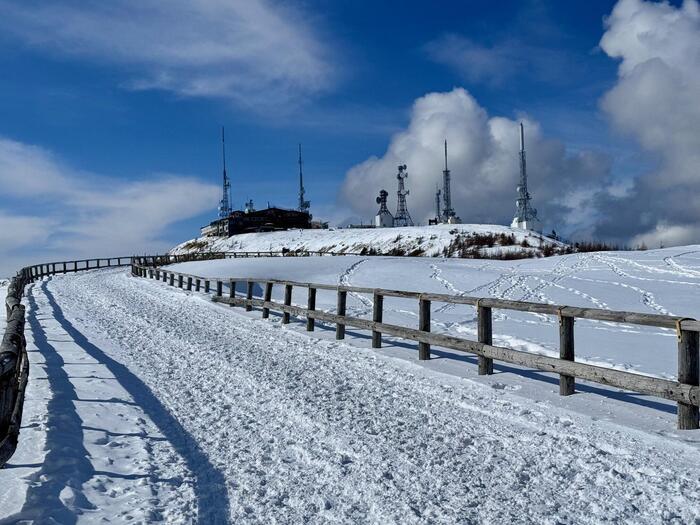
(402, 217)
(526, 215)
(448, 213)
(304, 205)
(225, 203)
(438, 193)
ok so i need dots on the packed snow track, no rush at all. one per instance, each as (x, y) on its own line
(147, 403)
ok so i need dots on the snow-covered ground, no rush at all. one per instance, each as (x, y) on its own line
(656, 281)
(154, 404)
(428, 241)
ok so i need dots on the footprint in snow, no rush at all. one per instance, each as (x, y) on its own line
(503, 386)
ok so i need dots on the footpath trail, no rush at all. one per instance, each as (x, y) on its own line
(218, 417)
(94, 446)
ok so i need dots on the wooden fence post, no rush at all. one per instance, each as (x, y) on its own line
(231, 292)
(206, 286)
(267, 298)
(249, 296)
(189, 283)
(219, 288)
(485, 333)
(179, 281)
(377, 310)
(566, 352)
(199, 283)
(287, 302)
(424, 326)
(688, 373)
(172, 279)
(311, 306)
(342, 302)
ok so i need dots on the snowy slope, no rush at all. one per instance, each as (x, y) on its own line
(296, 427)
(418, 240)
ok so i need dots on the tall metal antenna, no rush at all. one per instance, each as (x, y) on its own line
(437, 203)
(402, 217)
(447, 211)
(225, 203)
(526, 215)
(304, 205)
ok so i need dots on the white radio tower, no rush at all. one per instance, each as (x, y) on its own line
(526, 215)
(402, 217)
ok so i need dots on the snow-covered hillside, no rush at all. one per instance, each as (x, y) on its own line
(655, 281)
(465, 240)
(148, 403)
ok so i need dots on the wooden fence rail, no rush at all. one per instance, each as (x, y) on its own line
(14, 363)
(685, 391)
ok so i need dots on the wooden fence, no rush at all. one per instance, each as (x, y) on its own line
(685, 391)
(14, 364)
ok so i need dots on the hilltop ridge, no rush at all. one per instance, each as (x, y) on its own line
(474, 241)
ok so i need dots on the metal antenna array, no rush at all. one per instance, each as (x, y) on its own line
(402, 217)
(447, 211)
(225, 203)
(526, 215)
(304, 205)
(383, 219)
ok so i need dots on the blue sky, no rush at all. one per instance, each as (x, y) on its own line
(114, 98)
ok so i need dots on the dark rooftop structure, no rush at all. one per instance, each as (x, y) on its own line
(250, 221)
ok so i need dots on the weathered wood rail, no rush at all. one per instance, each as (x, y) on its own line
(14, 363)
(14, 368)
(244, 255)
(685, 391)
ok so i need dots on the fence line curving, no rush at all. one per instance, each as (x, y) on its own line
(685, 391)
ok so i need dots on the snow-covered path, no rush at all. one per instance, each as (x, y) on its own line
(95, 441)
(227, 416)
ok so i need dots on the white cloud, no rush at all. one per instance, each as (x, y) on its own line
(483, 158)
(20, 231)
(655, 100)
(76, 214)
(497, 63)
(257, 53)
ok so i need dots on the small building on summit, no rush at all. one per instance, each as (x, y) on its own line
(251, 221)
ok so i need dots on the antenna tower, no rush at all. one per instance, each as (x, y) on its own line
(438, 193)
(225, 203)
(526, 215)
(383, 219)
(447, 211)
(304, 205)
(402, 217)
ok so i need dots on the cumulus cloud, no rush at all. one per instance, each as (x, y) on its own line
(483, 159)
(257, 53)
(655, 100)
(73, 214)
